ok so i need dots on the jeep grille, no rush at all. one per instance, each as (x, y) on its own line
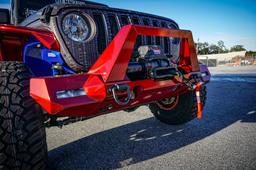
(109, 22)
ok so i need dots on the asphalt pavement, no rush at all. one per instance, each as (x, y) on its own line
(224, 139)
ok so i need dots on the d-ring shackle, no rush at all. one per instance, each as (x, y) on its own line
(121, 88)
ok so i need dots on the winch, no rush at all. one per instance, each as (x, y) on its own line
(150, 62)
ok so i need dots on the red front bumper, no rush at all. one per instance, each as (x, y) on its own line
(110, 69)
(97, 100)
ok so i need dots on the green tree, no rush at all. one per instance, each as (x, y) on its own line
(203, 48)
(214, 49)
(222, 47)
(237, 48)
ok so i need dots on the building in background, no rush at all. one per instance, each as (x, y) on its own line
(232, 59)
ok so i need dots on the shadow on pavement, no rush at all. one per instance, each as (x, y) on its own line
(139, 141)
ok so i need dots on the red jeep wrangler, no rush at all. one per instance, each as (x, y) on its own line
(62, 62)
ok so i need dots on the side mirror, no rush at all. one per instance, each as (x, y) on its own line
(4, 16)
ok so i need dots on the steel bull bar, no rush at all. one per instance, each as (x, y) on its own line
(105, 88)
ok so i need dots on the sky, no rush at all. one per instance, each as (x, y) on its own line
(232, 21)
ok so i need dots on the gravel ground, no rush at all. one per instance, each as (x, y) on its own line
(224, 139)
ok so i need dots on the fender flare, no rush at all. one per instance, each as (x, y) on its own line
(14, 38)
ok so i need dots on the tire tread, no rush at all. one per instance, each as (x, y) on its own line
(22, 132)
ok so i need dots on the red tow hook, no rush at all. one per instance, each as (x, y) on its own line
(198, 99)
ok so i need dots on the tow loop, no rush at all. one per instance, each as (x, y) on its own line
(121, 88)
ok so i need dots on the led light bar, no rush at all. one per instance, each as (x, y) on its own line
(70, 93)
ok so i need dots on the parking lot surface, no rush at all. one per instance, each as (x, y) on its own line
(224, 139)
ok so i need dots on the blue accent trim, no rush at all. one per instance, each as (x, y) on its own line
(26, 48)
(40, 59)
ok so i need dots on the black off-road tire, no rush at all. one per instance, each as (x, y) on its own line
(184, 111)
(22, 133)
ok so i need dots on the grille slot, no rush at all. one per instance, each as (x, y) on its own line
(166, 40)
(136, 21)
(101, 33)
(113, 25)
(148, 38)
(158, 39)
(124, 20)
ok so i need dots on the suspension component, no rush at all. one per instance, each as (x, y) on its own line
(57, 69)
(60, 122)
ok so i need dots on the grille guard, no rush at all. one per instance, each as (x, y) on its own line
(109, 70)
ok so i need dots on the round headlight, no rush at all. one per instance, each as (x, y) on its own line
(76, 27)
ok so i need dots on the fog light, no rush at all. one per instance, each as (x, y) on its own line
(70, 93)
